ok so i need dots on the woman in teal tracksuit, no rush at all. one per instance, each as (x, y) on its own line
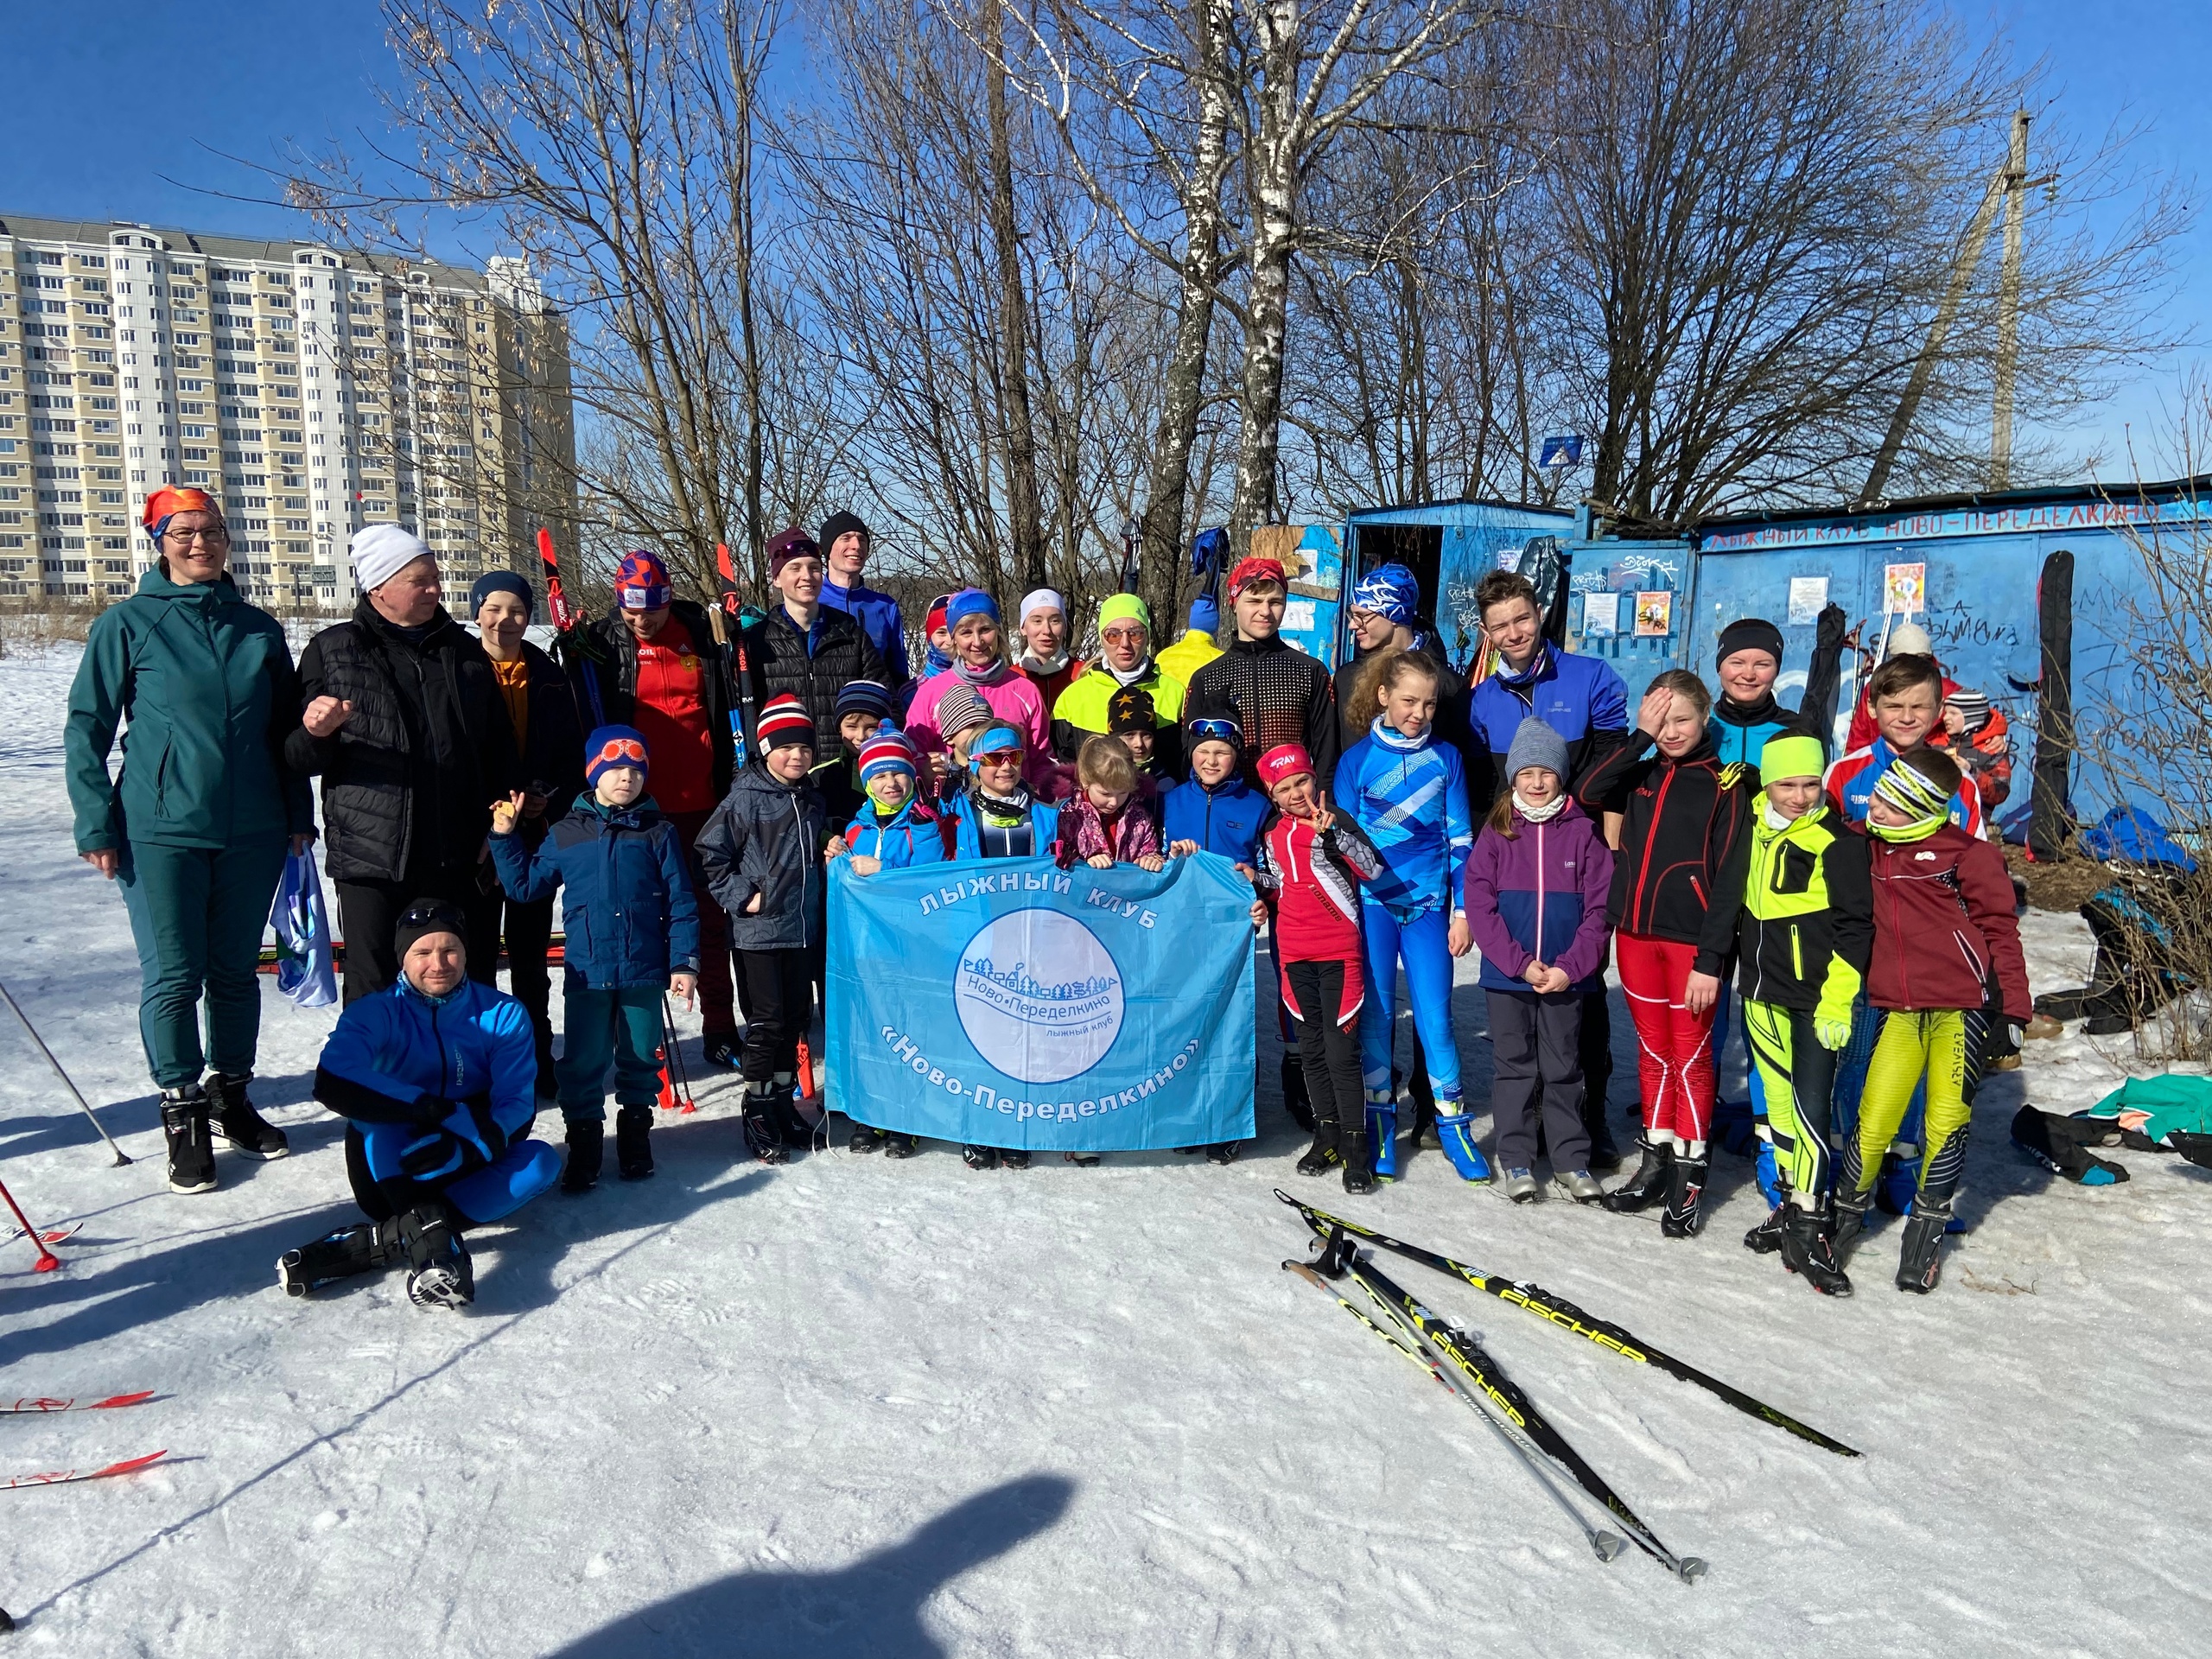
(196, 827)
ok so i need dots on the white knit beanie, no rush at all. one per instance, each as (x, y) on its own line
(382, 552)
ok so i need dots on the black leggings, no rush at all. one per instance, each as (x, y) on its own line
(1331, 1050)
(778, 990)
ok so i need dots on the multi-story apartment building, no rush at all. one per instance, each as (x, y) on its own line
(311, 391)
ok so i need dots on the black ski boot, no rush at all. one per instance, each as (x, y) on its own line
(633, 1147)
(364, 1248)
(1850, 1220)
(1809, 1249)
(1294, 1098)
(896, 1145)
(1650, 1183)
(1014, 1158)
(763, 1132)
(1223, 1152)
(440, 1273)
(1321, 1157)
(1766, 1238)
(980, 1157)
(237, 1121)
(1920, 1262)
(1685, 1211)
(191, 1150)
(866, 1140)
(798, 1135)
(586, 1149)
(1352, 1151)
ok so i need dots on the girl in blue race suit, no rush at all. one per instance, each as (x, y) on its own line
(1408, 793)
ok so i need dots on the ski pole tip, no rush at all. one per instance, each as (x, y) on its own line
(46, 1263)
(1691, 1569)
(1608, 1545)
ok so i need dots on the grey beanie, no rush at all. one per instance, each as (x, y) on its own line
(1537, 745)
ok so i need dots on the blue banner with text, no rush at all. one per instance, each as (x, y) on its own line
(1012, 1003)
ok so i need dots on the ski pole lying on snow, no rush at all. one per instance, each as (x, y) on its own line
(1558, 1311)
(47, 1261)
(120, 1159)
(1607, 1545)
(1460, 1352)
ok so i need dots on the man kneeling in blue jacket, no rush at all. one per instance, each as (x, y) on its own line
(437, 1078)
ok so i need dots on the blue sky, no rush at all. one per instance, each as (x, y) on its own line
(173, 84)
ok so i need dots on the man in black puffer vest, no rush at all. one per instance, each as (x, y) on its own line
(803, 647)
(403, 720)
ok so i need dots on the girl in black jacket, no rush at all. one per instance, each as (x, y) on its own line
(1683, 813)
(761, 853)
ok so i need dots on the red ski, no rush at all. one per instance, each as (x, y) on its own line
(54, 1235)
(111, 1403)
(62, 1478)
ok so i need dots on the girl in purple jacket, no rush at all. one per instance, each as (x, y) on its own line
(1537, 887)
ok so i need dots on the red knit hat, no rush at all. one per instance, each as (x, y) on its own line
(786, 721)
(936, 616)
(889, 750)
(1284, 762)
(1250, 570)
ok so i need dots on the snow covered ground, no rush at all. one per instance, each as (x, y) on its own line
(849, 1406)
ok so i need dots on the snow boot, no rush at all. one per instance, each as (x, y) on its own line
(363, 1248)
(896, 1145)
(586, 1149)
(1090, 1160)
(1685, 1211)
(1920, 1260)
(1321, 1157)
(1519, 1185)
(1014, 1158)
(763, 1132)
(1766, 1238)
(1649, 1185)
(440, 1273)
(192, 1151)
(1578, 1184)
(1223, 1152)
(633, 1146)
(980, 1157)
(1382, 1138)
(866, 1140)
(1352, 1151)
(1809, 1249)
(237, 1121)
(1294, 1098)
(1455, 1132)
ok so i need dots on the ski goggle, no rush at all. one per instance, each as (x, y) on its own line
(618, 752)
(994, 743)
(1216, 731)
(434, 916)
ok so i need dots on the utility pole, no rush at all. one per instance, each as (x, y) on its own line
(2008, 306)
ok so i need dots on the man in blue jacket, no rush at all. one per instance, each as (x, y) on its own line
(1584, 700)
(845, 546)
(436, 1075)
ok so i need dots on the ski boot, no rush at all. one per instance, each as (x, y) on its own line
(1383, 1137)
(1809, 1249)
(896, 1145)
(1321, 1157)
(1296, 1100)
(980, 1157)
(1223, 1152)
(1014, 1158)
(1352, 1151)
(1649, 1185)
(1519, 1185)
(586, 1149)
(1850, 1219)
(1579, 1185)
(364, 1248)
(1766, 1238)
(191, 1153)
(1455, 1132)
(633, 1147)
(1090, 1160)
(763, 1134)
(866, 1140)
(440, 1273)
(236, 1121)
(1920, 1260)
(1685, 1211)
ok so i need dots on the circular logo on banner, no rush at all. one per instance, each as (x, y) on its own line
(1039, 995)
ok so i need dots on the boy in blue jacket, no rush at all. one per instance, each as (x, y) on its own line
(895, 830)
(1214, 809)
(633, 929)
(437, 1076)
